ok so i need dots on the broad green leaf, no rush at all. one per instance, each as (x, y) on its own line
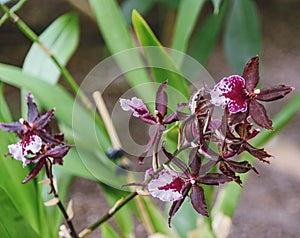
(185, 219)
(166, 67)
(206, 36)
(61, 38)
(117, 38)
(24, 197)
(5, 115)
(141, 6)
(159, 222)
(187, 16)
(12, 223)
(216, 4)
(108, 232)
(242, 39)
(123, 217)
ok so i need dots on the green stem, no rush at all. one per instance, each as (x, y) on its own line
(34, 38)
(15, 8)
(59, 203)
(108, 215)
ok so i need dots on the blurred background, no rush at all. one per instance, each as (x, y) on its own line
(270, 202)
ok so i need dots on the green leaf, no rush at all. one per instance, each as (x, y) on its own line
(187, 16)
(61, 38)
(141, 6)
(117, 38)
(5, 115)
(216, 4)
(159, 222)
(108, 231)
(185, 219)
(124, 216)
(12, 223)
(242, 39)
(165, 67)
(206, 36)
(24, 197)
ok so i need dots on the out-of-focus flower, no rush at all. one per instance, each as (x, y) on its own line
(37, 144)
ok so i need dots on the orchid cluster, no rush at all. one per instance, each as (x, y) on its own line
(213, 144)
(37, 145)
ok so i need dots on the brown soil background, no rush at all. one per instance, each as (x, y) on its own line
(270, 203)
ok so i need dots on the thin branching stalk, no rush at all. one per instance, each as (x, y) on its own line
(30, 34)
(59, 203)
(119, 204)
(116, 144)
(15, 8)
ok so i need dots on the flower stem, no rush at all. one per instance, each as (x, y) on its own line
(15, 8)
(119, 204)
(30, 34)
(59, 203)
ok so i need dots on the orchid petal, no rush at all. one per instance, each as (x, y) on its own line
(198, 200)
(251, 74)
(230, 92)
(41, 121)
(177, 204)
(138, 109)
(33, 112)
(273, 93)
(167, 186)
(35, 171)
(259, 115)
(15, 127)
(161, 101)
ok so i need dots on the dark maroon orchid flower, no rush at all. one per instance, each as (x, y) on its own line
(240, 95)
(37, 144)
(140, 110)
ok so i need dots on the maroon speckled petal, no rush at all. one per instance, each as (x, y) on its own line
(230, 92)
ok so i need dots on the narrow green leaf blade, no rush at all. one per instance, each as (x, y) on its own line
(61, 38)
(159, 222)
(206, 36)
(123, 217)
(5, 115)
(23, 197)
(216, 4)
(187, 16)
(242, 39)
(141, 6)
(12, 223)
(117, 38)
(166, 67)
(108, 231)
